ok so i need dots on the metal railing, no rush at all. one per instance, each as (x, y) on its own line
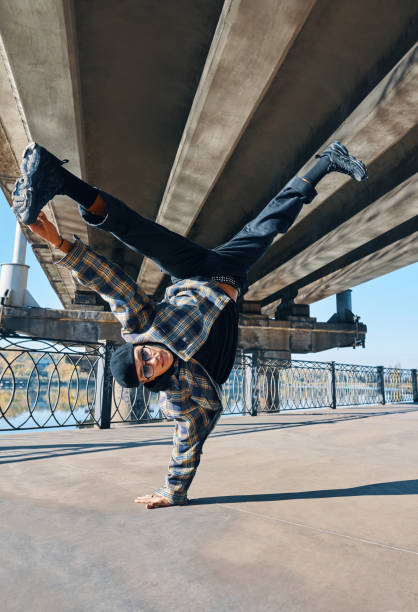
(53, 384)
(48, 384)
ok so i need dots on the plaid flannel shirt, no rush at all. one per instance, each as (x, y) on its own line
(182, 322)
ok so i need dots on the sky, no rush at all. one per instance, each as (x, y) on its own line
(388, 305)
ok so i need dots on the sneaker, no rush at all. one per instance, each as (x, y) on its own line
(341, 161)
(41, 179)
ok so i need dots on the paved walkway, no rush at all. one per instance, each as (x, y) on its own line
(309, 511)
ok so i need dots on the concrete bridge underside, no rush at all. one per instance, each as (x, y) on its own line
(196, 113)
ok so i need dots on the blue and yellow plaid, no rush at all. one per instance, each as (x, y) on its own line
(182, 322)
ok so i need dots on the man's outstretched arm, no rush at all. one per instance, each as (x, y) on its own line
(190, 432)
(193, 424)
(134, 309)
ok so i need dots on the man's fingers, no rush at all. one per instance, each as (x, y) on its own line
(152, 505)
(42, 216)
(35, 227)
(41, 220)
(152, 501)
(143, 499)
(161, 503)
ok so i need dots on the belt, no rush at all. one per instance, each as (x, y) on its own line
(229, 280)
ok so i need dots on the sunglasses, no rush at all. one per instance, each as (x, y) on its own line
(146, 355)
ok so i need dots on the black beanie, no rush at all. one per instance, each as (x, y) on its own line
(122, 366)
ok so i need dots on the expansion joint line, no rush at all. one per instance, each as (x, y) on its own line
(321, 530)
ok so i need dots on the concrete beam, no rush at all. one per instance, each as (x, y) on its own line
(284, 126)
(250, 44)
(394, 256)
(77, 325)
(255, 331)
(136, 97)
(35, 40)
(14, 133)
(297, 336)
(343, 216)
(312, 94)
(38, 104)
(401, 253)
(398, 206)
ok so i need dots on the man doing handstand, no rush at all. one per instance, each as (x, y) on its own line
(184, 346)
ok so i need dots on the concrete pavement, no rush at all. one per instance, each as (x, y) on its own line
(306, 511)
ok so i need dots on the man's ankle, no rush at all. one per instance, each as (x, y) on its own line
(317, 172)
(98, 207)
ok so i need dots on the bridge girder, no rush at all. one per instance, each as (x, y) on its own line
(208, 111)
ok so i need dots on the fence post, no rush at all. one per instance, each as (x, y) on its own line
(107, 387)
(381, 383)
(414, 385)
(254, 383)
(333, 387)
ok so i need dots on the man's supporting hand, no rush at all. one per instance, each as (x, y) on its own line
(47, 230)
(153, 501)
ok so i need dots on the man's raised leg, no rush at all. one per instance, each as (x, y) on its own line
(43, 177)
(250, 244)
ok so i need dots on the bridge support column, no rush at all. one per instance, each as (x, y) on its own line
(344, 312)
(14, 276)
(343, 303)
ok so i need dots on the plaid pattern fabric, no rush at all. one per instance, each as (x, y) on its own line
(195, 407)
(182, 322)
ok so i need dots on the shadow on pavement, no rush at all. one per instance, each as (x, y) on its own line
(15, 452)
(397, 487)
(337, 418)
(33, 452)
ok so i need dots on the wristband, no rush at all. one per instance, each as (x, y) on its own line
(60, 244)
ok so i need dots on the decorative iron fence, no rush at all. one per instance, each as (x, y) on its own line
(398, 385)
(47, 384)
(356, 385)
(53, 384)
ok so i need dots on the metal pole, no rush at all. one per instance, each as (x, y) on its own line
(381, 383)
(19, 248)
(414, 385)
(333, 387)
(13, 276)
(254, 383)
(343, 303)
(107, 387)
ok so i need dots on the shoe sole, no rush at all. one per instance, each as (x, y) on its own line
(23, 193)
(359, 170)
(340, 148)
(30, 160)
